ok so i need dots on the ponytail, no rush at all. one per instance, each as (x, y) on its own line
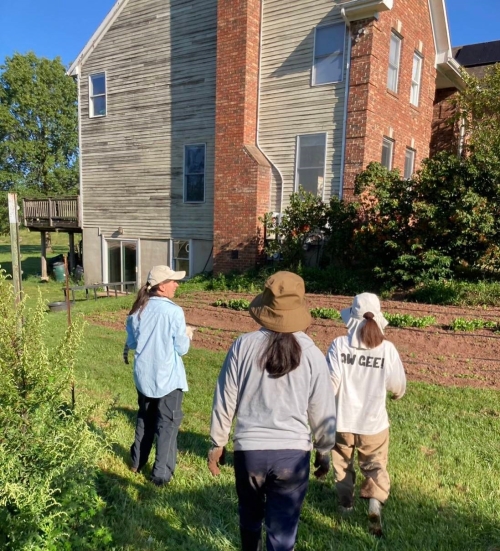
(370, 334)
(282, 354)
(143, 296)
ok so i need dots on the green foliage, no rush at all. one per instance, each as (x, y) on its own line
(302, 225)
(463, 324)
(325, 313)
(233, 304)
(407, 320)
(38, 126)
(48, 450)
(247, 282)
(459, 293)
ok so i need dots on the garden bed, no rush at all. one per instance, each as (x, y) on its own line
(432, 354)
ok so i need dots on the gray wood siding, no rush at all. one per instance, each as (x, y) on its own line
(159, 59)
(289, 105)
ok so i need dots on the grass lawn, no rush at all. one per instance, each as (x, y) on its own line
(444, 461)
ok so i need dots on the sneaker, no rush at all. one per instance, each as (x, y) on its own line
(157, 481)
(375, 516)
(344, 511)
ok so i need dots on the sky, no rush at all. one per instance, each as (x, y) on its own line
(62, 28)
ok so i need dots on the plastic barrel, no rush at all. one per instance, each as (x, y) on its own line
(59, 271)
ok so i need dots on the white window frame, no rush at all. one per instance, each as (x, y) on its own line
(92, 95)
(184, 186)
(416, 78)
(190, 253)
(390, 143)
(412, 152)
(297, 160)
(342, 54)
(395, 67)
(104, 248)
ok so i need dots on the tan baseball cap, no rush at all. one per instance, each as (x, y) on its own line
(159, 274)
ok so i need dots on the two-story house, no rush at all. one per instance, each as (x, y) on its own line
(199, 116)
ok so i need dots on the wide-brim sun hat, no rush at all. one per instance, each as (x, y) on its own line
(354, 320)
(282, 306)
(159, 274)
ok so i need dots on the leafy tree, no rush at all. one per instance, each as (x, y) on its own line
(38, 126)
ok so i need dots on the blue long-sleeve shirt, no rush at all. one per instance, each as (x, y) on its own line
(159, 340)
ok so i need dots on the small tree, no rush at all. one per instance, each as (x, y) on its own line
(48, 450)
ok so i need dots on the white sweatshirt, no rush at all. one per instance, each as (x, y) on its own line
(361, 378)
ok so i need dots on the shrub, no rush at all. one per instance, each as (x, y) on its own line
(48, 450)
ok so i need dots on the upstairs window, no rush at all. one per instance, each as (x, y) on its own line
(394, 62)
(409, 163)
(328, 54)
(416, 78)
(311, 154)
(194, 173)
(387, 152)
(97, 95)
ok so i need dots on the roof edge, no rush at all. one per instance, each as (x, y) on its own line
(96, 37)
(363, 9)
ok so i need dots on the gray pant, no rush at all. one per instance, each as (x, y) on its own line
(161, 417)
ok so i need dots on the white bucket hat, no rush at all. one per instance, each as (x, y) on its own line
(353, 317)
(159, 274)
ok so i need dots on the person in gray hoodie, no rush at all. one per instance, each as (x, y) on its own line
(276, 382)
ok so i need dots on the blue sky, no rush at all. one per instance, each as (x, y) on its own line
(62, 27)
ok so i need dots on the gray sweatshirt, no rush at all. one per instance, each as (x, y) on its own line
(273, 414)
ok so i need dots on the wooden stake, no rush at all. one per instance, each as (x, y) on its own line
(66, 274)
(14, 246)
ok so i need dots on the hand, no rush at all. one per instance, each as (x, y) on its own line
(322, 462)
(216, 457)
(190, 331)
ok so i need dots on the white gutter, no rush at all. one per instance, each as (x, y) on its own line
(362, 9)
(258, 109)
(346, 102)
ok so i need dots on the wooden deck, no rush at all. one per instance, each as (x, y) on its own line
(51, 214)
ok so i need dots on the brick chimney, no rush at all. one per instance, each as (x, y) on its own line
(242, 173)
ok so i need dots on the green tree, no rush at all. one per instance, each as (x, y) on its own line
(38, 126)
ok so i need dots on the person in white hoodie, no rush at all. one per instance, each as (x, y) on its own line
(363, 367)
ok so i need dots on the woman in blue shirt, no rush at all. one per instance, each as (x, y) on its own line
(156, 330)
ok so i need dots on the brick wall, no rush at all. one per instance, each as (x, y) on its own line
(242, 174)
(445, 133)
(374, 111)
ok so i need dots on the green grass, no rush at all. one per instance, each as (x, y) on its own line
(444, 462)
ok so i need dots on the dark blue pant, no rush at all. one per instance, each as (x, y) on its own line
(271, 486)
(161, 417)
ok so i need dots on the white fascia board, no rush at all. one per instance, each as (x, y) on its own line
(96, 37)
(363, 9)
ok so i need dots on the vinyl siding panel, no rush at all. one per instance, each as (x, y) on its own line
(289, 105)
(159, 59)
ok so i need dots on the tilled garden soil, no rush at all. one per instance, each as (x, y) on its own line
(435, 354)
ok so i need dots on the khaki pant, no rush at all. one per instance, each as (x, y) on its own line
(372, 457)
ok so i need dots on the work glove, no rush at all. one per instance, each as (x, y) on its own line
(190, 331)
(322, 462)
(216, 457)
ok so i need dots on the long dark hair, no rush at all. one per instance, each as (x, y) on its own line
(143, 296)
(370, 333)
(282, 354)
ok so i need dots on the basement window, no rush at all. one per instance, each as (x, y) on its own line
(181, 260)
(328, 63)
(97, 95)
(310, 166)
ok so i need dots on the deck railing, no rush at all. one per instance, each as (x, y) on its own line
(52, 213)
